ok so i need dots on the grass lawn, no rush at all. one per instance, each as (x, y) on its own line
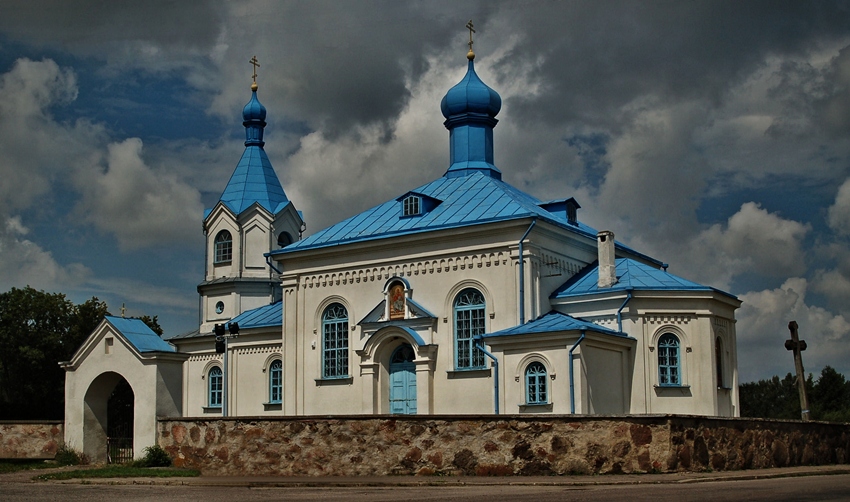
(24, 464)
(122, 471)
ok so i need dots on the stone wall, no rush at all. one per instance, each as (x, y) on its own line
(486, 445)
(30, 438)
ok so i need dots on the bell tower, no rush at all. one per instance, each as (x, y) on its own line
(252, 218)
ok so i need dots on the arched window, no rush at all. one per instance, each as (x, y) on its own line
(536, 391)
(223, 247)
(335, 342)
(669, 365)
(469, 323)
(214, 387)
(276, 381)
(284, 239)
(718, 360)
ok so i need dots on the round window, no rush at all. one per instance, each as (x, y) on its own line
(219, 307)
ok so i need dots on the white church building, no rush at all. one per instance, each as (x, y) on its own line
(461, 296)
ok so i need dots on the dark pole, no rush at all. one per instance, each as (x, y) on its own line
(798, 346)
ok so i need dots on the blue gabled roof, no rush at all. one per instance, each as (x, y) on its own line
(254, 180)
(631, 275)
(262, 317)
(466, 200)
(140, 335)
(554, 321)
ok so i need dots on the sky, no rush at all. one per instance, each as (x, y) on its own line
(711, 135)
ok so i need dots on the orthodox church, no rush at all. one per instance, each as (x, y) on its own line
(461, 296)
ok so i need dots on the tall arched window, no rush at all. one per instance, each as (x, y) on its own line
(718, 360)
(214, 387)
(669, 362)
(223, 247)
(536, 391)
(335, 342)
(469, 323)
(276, 381)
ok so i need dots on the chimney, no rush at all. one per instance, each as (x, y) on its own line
(607, 268)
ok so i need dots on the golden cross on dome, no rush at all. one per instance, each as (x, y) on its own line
(256, 65)
(471, 31)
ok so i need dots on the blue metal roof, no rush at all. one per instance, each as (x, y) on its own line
(254, 180)
(140, 335)
(262, 317)
(554, 321)
(466, 200)
(631, 275)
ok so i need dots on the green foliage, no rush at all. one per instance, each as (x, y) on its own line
(66, 455)
(153, 323)
(155, 456)
(37, 330)
(24, 464)
(829, 397)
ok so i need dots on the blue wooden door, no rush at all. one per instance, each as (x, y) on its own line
(403, 381)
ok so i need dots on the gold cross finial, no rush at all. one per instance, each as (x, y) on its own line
(256, 65)
(470, 55)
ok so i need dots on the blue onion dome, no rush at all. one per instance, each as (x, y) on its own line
(471, 95)
(254, 110)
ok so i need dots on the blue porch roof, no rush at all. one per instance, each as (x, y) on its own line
(262, 317)
(631, 275)
(554, 321)
(140, 335)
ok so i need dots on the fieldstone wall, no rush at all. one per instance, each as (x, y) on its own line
(496, 446)
(30, 438)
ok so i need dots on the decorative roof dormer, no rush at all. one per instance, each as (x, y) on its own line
(470, 109)
(416, 204)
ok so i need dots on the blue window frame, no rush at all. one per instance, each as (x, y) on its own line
(536, 391)
(469, 322)
(669, 361)
(214, 387)
(335, 342)
(412, 206)
(223, 247)
(276, 381)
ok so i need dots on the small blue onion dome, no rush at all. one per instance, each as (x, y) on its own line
(254, 110)
(471, 95)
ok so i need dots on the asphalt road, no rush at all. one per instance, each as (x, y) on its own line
(822, 488)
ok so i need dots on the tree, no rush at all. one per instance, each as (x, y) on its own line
(153, 323)
(37, 330)
(829, 397)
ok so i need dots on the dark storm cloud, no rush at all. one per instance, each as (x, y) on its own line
(602, 55)
(93, 26)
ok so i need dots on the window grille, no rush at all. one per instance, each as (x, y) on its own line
(536, 391)
(335, 342)
(214, 383)
(223, 247)
(469, 323)
(276, 381)
(669, 367)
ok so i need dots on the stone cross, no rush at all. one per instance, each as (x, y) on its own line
(799, 346)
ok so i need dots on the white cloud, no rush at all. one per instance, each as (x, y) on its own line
(140, 206)
(763, 328)
(838, 215)
(24, 263)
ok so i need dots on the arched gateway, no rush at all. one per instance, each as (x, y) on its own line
(116, 384)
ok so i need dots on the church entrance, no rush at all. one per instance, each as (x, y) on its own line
(403, 381)
(119, 424)
(108, 419)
